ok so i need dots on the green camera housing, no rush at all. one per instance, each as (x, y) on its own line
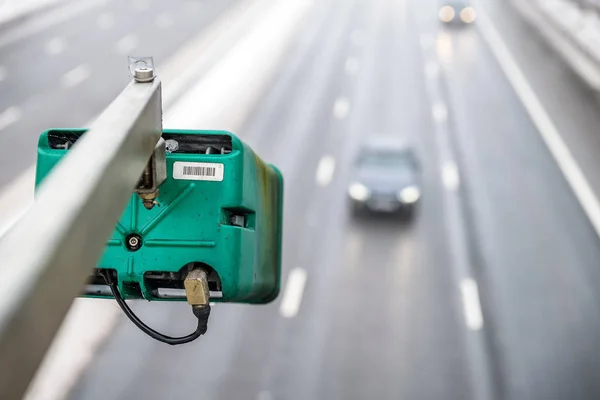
(220, 208)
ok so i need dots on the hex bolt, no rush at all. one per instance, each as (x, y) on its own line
(143, 74)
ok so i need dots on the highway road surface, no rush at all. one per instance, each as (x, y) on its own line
(493, 292)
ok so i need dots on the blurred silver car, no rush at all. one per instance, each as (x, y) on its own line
(457, 12)
(387, 178)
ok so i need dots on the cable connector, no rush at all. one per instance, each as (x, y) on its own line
(198, 296)
(196, 288)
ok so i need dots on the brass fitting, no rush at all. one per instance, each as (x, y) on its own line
(149, 199)
(196, 288)
(153, 176)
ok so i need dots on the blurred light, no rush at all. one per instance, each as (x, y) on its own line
(468, 15)
(447, 14)
(359, 192)
(409, 195)
(444, 48)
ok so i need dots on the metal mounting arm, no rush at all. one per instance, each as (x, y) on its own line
(47, 255)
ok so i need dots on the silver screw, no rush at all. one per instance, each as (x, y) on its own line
(133, 242)
(143, 74)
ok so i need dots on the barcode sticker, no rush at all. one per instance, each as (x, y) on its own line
(195, 171)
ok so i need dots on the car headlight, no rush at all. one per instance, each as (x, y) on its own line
(359, 192)
(468, 15)
(409, 195)
(447, 14)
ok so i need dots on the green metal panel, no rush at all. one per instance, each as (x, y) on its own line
(192, 223)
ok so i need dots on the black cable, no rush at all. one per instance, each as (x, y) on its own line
(202, 313)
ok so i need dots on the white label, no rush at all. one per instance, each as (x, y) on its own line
(197, 171)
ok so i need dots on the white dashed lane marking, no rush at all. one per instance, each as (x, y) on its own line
(471, 304)
(9, 117)
(292, 295)
(55, 46)
(341, 107)
(325, 171)
(76, 76)
(450, 176)
(127, 44)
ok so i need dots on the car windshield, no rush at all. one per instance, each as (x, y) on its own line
(387, 158)
(456, 3)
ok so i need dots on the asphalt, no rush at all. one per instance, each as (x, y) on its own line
(379, 316)
(382, 315)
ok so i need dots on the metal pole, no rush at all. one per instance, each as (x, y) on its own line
(46, 257)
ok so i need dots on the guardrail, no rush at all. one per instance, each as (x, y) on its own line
(572, 28)
(47, 255)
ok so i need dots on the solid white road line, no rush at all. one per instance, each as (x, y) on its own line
(450, 176)
(9, 117)
(127, 44)
(76, 76)
(55, 46)
(325, 171)
(292, 296)
(548, 131)
(341, 107)
(471, 304)
(105, 21)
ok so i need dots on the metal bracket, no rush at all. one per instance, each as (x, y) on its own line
(153, 176)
